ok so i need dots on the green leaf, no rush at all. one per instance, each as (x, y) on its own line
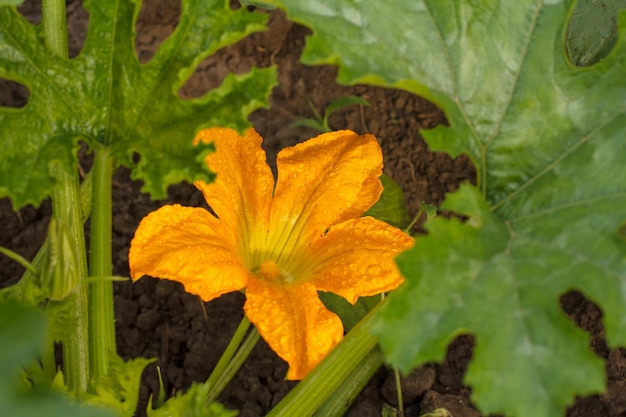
(119, 389)
(19, 347)
(255, 3)
(500, 280)
(314, 124)
(105, 95)
(389, 411)
(592, 32)
(18, 258)
(350, 314)
(390, 207)
(191, 403)
(547, 139)
(429, 209)
(342, 102)
(22, 337)
(438, 412)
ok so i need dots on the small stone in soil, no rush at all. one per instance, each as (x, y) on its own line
(413, 386)
(148, 319)
(455, 404)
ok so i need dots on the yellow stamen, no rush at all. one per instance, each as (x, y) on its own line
(270, 271)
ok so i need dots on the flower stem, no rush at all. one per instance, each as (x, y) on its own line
(233, 357)
(101, 316)
(339, 402)
(396, 375)
(66, 209)
(318, 386)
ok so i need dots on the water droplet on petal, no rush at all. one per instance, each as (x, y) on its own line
(284, 342)
(374, 270)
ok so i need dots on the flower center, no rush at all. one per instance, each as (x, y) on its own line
(272, 273)
(270, 270)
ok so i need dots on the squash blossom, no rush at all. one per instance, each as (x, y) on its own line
(282, 242)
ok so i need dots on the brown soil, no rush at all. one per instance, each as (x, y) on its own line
(157, 319)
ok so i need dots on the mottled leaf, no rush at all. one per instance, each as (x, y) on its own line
(547, 139)
(108, 98)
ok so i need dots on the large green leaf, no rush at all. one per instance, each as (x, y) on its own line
(106, 96)
(549, 143)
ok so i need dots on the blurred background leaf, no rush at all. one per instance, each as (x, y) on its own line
(23, 333)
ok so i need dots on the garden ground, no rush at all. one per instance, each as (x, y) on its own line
(157, 319)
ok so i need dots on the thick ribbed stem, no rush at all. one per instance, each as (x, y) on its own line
(101, 315)
(66, 208)
(320, 384)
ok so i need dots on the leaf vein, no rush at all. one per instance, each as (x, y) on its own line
(584, 139)
(509, 100)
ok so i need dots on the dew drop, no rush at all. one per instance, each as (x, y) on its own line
(284, 342)
(374, 270)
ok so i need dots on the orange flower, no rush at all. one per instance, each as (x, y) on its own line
(282, 242)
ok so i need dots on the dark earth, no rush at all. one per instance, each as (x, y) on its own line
(157, 319)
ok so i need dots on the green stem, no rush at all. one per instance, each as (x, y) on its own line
(101, 316)
(232, 359)
(339, 402)
(66, 208)
(332, 372)
(55, 26)
(396, 375)
(48, 362)
(19, 259)
(42, 254)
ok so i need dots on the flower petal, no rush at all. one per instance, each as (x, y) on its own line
(356, 258)
(188, 245)
(322, 182)
(294, 322)
(242, 192)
